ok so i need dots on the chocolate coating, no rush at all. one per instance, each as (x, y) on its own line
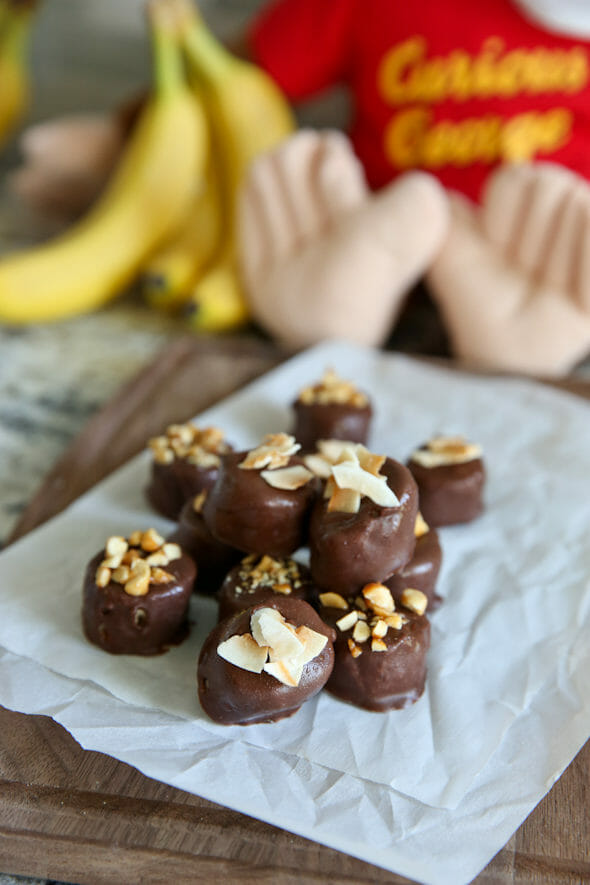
(348, 550)
(315, 421)
(138, 625)
(450, 494)
(171, 485)
(243, 587)
(244, 511)
(214, 558)
(421, 572)
(233, 696)
(381, 680)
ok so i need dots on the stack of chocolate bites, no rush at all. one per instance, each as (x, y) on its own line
(354, 621)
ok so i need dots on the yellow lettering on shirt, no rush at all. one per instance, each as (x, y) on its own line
(413, 138)
(406, 73)
(411, 82)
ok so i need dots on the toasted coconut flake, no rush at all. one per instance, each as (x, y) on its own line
(344, 501)
(312, 641)
(369, 461)
(318, 465)
(415, 600)
(443, 451)
(287, 478)
(273, 632)
(335, 449)
(286, 671)
(333, 600)
(244, 652)
(352, 476)
(274, 451)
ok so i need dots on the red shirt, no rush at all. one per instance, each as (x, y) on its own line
(453, 87)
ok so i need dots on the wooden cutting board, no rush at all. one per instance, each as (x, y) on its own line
(83, 817)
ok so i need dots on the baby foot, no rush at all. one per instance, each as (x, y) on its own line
(512, 281)
(321, 256)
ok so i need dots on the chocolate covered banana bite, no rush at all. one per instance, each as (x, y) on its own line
(136, 594)
(450, 475)
(263, 663)
(185, 462)
(362, 529)
(257, 578)
(261, 500)
(331, 409)
(422, 570)
(213, 558)
(380, 649)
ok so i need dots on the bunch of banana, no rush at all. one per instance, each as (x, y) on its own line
(247, 115)
(15, 30)
(147, 198)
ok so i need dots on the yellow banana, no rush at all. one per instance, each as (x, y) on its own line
(147, 197)
(248, 115)
(217, 302)
(247, 111)
(167, 277)
(15, 21)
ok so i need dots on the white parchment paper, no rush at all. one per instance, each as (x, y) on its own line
(507, 703)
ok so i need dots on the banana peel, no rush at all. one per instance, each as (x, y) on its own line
(147, 198)
(217, 302)
(15, 32)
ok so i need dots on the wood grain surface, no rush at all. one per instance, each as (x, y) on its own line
(82, 817)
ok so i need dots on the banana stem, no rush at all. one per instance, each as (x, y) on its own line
(168, 67)
(207, 56)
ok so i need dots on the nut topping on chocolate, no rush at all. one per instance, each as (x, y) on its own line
(421, 527)
(333, 389)
(372, 614)
(199, 500)
(356, 473)
(279, 575)
(274, 451)
(415, 600)
(274, 646)
(136, 562)
(442, 451)
(200, 447)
